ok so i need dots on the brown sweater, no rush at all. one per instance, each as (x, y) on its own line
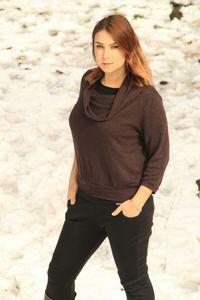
(121, 141)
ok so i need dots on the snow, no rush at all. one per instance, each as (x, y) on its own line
(45, 46)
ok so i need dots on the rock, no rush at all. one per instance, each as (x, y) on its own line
(163, 82)
(198, 184)
(176, 13)
(138, 17)
(53, 32)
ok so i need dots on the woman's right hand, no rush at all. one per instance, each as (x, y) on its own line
(72, 190)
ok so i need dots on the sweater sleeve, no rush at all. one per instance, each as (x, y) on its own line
(156, 141)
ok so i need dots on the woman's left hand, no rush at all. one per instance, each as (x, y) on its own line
(128, 209)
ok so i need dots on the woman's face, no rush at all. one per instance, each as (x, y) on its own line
(109, 57)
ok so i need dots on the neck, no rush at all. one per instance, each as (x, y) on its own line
(113, 80)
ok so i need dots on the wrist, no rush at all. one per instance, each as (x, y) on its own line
(138, 201)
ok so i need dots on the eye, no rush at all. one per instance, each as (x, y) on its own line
(98, 46)
(115, 46)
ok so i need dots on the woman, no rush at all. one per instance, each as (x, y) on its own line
(121, 144)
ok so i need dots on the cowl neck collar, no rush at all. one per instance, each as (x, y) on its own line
(126, 93)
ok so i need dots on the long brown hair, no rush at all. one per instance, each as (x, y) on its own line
(136, 64)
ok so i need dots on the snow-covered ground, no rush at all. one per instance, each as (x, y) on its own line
(45, 46)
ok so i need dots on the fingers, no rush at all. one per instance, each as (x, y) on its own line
(72, 201)
(72, 197)
(117, 211)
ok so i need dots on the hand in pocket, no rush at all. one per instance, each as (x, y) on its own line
(72, 191)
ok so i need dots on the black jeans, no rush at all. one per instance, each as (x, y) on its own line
(87, 223)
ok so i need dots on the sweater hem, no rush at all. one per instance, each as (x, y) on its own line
(107, 192)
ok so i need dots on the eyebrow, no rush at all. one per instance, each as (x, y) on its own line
(102, 44)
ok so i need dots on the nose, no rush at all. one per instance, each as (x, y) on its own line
(106, 53)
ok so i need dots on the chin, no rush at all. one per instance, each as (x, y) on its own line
(108, 70)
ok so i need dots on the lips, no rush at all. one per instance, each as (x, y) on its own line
(106, 64)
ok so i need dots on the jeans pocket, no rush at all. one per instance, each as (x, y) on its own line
(129, 218)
